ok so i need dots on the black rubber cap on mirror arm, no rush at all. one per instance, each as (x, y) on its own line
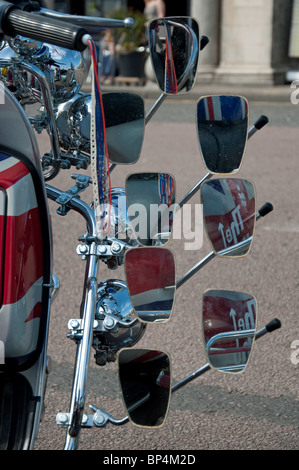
(265, 209)
(273, 325)
(261, 122)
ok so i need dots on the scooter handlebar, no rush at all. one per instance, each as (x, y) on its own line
(14, 21)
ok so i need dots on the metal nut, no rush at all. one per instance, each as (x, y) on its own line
(109, 323)
(99, 419)
(75, 324)
(62, 418)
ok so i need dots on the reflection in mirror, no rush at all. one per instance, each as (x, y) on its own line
(151, 206)
(229, 215)
(119, 222)
(150, 274)
(229, 325)
(222, 126)
(124, 122)
(124, 119)
(145, 379)
(174, 49)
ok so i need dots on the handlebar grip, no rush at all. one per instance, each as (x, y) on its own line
(15, 21)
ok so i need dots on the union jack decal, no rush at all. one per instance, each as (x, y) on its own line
(21, 259)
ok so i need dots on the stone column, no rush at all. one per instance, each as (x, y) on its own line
(254, 41)
(207, 13)
(49, 4)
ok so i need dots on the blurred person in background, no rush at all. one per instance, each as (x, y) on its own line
(154, 9)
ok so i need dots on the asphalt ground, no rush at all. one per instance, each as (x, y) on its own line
(256, 410)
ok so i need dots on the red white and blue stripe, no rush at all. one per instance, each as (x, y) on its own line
(222, 108)
(21, 259)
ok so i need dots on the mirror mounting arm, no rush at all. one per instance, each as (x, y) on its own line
(195, 269)
(101, 418)
(259, 124)
(112, 167)
(194, 190)
(155, 107)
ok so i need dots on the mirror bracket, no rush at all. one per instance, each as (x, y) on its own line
(101, 418)
(155, 107)
(116, 248)
(194, 190)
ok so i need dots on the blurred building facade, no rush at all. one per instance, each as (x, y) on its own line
(251, 41)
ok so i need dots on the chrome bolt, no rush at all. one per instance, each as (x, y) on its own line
(62, 199)
(116, 247)
(75, 324)
(99, 419)
(102, 249)
(109, 323)
(83, 249)
(62, 418)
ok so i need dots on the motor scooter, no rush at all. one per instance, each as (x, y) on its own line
(43, 65)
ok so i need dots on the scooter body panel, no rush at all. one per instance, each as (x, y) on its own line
(25, 241)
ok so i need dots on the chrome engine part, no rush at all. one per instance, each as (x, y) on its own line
(116, 325)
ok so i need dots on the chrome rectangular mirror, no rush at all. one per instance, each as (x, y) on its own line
(174, 49)
(150, 275)
(145, 379)
(222, 128)
(229, 326)
(125, 124)
(151, 206)
(229, 215)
